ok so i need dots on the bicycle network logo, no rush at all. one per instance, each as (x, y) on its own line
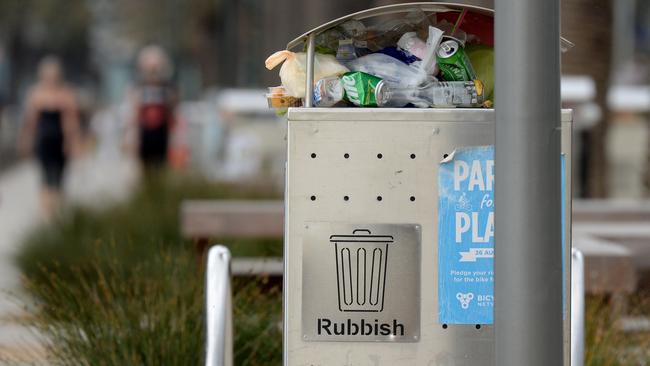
(465, 299)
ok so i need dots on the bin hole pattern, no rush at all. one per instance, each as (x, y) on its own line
(445, 326)
(478, 326)
(444, 156)
(379, 156)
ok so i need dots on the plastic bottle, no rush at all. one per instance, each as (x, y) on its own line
(439, 94)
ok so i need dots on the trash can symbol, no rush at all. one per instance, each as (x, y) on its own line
(361, 260)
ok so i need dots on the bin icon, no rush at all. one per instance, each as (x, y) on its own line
(361, 265)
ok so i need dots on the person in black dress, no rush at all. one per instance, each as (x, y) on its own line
(51, 129)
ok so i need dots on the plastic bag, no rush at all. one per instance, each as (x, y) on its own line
(429, 57)
(386, 33)
(397, 73)
(393, 71)
(293, 71)
(400, 54)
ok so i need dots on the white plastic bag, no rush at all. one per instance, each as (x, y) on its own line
(429, 59)
(293, 74)
(396, 73)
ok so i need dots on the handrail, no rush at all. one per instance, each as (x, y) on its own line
(577, 308)
(219, 343)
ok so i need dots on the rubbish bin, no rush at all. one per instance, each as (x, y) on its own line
(361, 270)
(382, 169)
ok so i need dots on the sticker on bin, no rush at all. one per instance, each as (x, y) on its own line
(361, 282)
(466, 237)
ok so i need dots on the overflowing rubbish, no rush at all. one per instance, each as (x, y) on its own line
(438, 94)
(293, 70)
(453, 62)
(390, 69)
(361, 89)
(434, 60)
(278, 98)
(328, 92)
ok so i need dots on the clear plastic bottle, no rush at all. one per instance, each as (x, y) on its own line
(439, 94)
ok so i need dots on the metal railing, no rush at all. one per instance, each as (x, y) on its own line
(218, 297)
(577, 308)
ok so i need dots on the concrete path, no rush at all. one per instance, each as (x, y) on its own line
(92, 182)
(19, 212)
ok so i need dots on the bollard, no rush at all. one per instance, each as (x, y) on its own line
(577, 308)
(219, 342)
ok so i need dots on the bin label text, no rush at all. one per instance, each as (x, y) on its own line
(361, 282)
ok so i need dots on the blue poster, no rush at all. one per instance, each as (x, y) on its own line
(466, 229)
(563, 193)
(466, 237)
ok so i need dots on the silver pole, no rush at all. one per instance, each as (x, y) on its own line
(309, 80)
(528, 253)
(577, 308)
(219, 341)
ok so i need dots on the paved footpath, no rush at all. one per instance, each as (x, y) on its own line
(19, 212)
(91, 182)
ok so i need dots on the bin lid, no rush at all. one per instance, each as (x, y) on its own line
(483, 7)
(361, 236)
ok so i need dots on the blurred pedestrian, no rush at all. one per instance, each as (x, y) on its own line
(51, 129)
(154, 107)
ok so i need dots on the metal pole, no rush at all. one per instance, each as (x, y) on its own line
(577, 308)
(528, 251)
(309, 79)
(219, 341)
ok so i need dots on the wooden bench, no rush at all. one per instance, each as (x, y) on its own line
(620, 222)
(234, 219)
(608, 266)
(611, 211)
(266, 266)
(206, 220)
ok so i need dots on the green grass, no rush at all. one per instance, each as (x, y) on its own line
(148, 317)
(122, 287)
(606, 343)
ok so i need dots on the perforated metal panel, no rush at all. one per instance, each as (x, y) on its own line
(379, 166)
